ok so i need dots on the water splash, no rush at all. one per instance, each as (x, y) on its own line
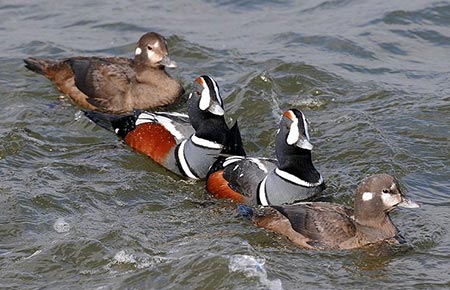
(61, 226)
(122, 257)
(253, 267)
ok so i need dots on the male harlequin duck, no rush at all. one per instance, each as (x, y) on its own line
(254, 181)
(185, 144)
(115, 84)
(329, 226)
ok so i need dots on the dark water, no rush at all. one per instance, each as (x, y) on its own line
(79, 210)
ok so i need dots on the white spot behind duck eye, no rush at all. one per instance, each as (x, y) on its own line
(393, 186)
(138, 51)
(366, 196)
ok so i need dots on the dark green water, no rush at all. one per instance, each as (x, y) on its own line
(80, 210)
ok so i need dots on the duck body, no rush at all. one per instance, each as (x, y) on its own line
(115, 85)
(260, 181)
(329, 226)
(185, 144)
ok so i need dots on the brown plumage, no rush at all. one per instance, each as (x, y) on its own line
(327, 226)
(114, 84)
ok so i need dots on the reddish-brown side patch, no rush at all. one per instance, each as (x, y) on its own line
(217, 185)
(152, 140)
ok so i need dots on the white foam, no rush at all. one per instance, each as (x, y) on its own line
(253, 267)
(78, 115)
(123, 257)
(61, 226)
(140, 261)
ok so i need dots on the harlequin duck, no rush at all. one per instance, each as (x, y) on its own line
(185, 144)
(329, 226)
(290, 178)
(115, 84)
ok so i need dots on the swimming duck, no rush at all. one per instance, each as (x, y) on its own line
(185, 144)
(259, 181)
(330, 226)
(115, 84)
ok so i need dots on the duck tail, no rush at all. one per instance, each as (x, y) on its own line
(233, 142)
(232, 146)
(119, 124)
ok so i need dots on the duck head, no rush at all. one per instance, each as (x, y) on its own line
(151, 51)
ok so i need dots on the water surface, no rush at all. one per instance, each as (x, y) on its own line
(80, 210)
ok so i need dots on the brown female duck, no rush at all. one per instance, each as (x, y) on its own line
(116, 84)
(328, 226)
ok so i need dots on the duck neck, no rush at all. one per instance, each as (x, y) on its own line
(299, 163)
(375, 229)
(213, 129)
(151, 75)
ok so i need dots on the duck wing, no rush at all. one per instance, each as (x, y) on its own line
(325, 225)
(245, 174)
(104, 81)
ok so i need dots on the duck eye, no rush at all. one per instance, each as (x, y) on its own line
(198, 93)
(149, 47)
(385, 190)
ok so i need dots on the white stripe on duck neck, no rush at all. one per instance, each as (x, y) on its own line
(294, 179)
(205, 143)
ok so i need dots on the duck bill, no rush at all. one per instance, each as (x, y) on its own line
(304, 144)
(167, 62)
(216, 109)
(406, 203)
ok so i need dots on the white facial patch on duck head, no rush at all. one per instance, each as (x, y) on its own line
(366, 196)
(205, 99)
(294, 133)
(138, 51)
(389, 199)
(294, 137)
(150, 54)
(206, 103)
